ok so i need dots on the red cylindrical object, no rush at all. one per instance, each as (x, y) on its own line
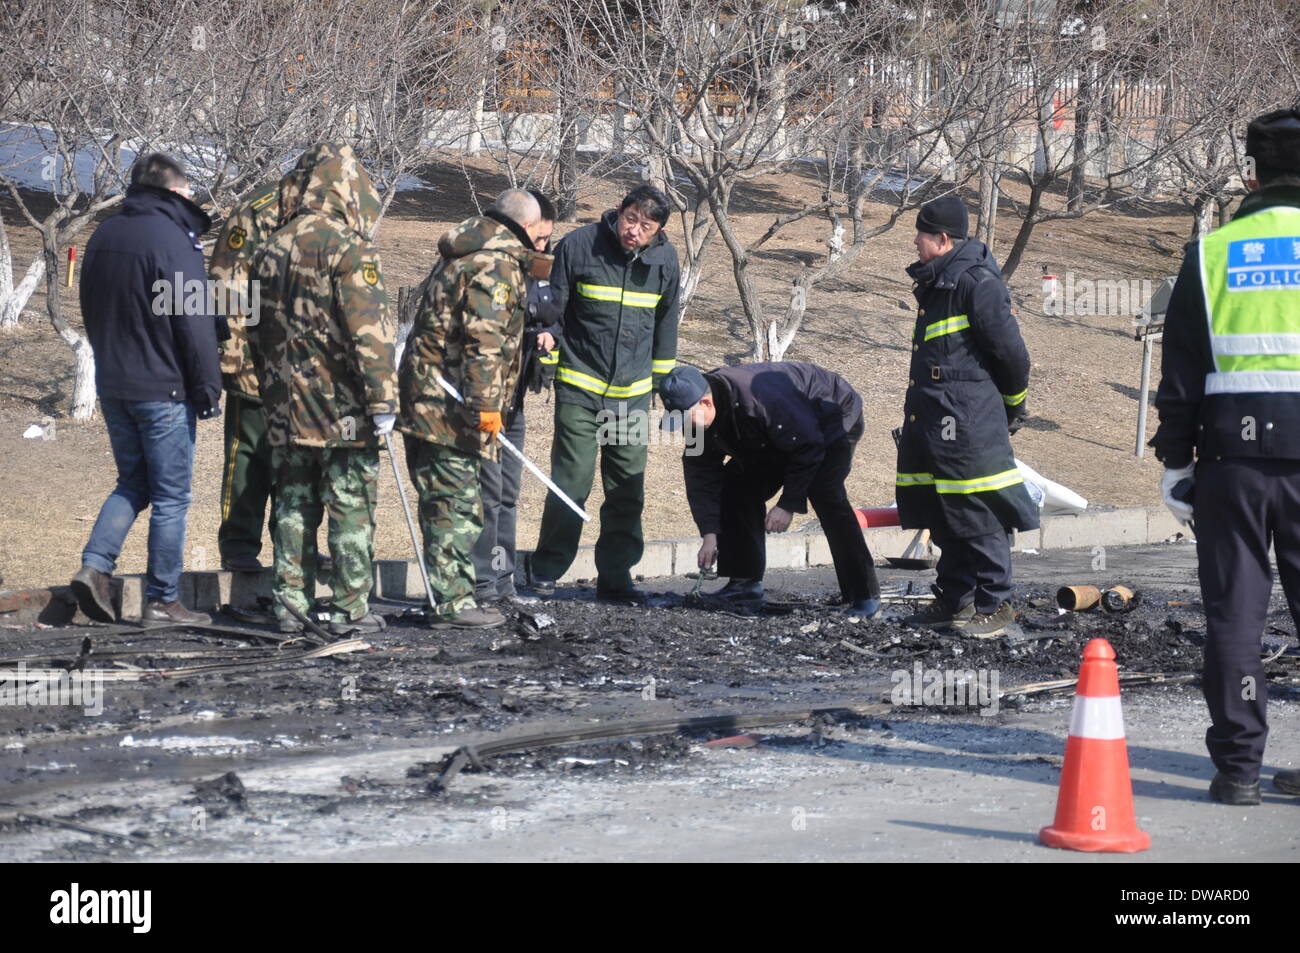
(877, 516)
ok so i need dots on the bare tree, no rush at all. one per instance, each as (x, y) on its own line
(1161, 82)
(78, 74)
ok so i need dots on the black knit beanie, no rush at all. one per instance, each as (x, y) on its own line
(946, 214)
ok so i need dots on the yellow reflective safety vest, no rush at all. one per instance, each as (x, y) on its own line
(1230, 383)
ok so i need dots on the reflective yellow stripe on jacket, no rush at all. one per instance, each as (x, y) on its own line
(998, 481)
(958, 322)
(595, 385)
(663, 367)
(630, 299)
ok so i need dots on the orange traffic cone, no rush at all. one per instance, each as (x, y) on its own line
(1095, 808)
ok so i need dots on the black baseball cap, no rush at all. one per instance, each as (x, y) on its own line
(680, 391)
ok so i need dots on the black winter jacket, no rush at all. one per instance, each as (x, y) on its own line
(969, 365)
(784, 414)
(136, 262)
(1214, 425)
(619, 316)
(541, 316)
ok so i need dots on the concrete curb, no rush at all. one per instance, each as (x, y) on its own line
(399, 579)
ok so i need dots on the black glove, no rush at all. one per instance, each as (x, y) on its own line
(1016, 416)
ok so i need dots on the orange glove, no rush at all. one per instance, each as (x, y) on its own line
(489, 421)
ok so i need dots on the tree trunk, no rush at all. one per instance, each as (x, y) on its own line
(988, 211)
(657, 168)
(698, 239)
(1225, 209)
(1021, 241)
(83, 378)
(618, 136)
(1202, 216)
(11, 306)
(1079, 160)
(854, 188)
(6, 274)
(566, 205)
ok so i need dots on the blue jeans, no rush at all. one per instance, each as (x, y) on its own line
(153, 447)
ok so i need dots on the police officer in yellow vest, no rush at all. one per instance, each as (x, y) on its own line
(1230, 390)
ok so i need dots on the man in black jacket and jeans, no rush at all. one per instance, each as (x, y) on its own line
(787, 426)
(144, 300)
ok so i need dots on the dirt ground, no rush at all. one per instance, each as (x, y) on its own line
(337, 758)
(1083, 391)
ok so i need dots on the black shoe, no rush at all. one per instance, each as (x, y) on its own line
(537, 586)
(174, 613)
(627, 596)
(94, 592)
(988, 625)
(242, 562)
(1237, 793)
(1288, 782)
(866, 608)
(741, 590)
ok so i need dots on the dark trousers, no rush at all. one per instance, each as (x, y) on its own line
(748, 482)
(246, 481)
(973, 570)
(1239, 505)
(580, 434)
(494, 552)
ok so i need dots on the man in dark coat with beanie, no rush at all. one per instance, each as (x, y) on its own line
(1229, 437)
(966, 393)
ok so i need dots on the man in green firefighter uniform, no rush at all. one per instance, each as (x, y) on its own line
(616, 285)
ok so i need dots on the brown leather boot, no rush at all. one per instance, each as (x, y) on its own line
(174, 613)
(473, 617)
(94, 593)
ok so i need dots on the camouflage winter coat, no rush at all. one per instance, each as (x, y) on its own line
(247, 227)
(468, 329)
(324, 341)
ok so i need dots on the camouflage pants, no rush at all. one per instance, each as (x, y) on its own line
(309, 482)
(451, 519)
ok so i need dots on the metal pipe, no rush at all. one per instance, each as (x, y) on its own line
(1078, 598)
(410, 524)
(505, 442)
(1141, 446)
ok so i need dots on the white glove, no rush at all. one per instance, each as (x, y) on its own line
(384, 423)
(1182, 511)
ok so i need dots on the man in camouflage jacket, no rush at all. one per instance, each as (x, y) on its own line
(468, 331)
(324, 348)
(246, 476)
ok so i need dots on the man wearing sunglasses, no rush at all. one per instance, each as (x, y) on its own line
(616, 289)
